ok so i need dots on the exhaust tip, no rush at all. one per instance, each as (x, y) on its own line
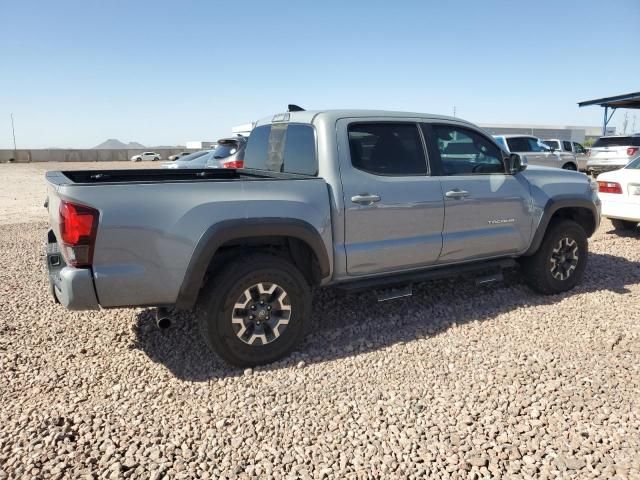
(163, 320)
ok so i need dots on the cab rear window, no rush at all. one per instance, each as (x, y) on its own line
(282, 147)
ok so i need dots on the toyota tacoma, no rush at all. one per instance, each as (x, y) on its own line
(353, 199)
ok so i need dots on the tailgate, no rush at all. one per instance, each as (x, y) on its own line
(609, 154)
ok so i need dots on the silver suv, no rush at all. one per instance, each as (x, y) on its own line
(613, 153)
(534, 151)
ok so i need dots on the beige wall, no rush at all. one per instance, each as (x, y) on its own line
(88, 155)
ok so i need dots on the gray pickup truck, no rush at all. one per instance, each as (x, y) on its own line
(354, 199)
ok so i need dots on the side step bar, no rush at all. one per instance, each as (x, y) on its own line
(399, 285)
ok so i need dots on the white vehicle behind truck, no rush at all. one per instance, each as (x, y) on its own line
(613, 153)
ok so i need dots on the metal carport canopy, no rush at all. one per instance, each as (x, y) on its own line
(630, 100)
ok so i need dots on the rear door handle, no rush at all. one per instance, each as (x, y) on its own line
(365, 199)
(456, 193)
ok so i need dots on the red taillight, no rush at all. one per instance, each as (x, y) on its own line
(78, 226)
(234, 164)
(632, 151)
(609, 187)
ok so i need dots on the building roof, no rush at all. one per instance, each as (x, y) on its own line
(629, 100)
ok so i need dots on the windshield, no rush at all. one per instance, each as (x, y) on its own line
(225, 149)
(635, 164)
(193, 156)
(617, 142)
(553, 144)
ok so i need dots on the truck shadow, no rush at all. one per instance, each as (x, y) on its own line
(344, 325)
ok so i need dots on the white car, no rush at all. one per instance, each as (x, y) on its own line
(153, 156)
(619, 191)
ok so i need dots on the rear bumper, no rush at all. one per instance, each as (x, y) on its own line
(72, 287)
(621, 210)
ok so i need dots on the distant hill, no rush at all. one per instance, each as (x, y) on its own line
(114, 143)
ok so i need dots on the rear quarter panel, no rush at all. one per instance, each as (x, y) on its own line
(148, 232)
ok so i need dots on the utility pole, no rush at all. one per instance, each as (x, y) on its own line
(454, 110)
(13, 130)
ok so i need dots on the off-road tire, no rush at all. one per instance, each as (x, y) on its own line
(623, 224)
(537, 268)
(216, 308)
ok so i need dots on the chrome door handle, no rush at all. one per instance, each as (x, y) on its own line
(365, 199)
(456, 194)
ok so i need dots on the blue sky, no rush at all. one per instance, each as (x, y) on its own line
(75, 73)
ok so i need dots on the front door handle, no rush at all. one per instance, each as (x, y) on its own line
(457, 193)
(365, 199)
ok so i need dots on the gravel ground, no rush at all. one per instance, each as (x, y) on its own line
(455, 382)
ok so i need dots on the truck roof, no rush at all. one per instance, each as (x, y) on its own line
(309, 116)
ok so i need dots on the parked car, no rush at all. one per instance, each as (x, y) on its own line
(175, 157)
(535, 152)
(572, 147)
(342, 198)
(229, 153)
(612, 153)
(619, 191)
(193, 160)
(153, 156)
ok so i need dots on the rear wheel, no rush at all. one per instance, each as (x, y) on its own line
(255, 310)
(623, 224)
(569, 166)
(559, 263)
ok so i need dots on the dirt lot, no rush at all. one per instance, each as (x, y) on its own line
(458, 381)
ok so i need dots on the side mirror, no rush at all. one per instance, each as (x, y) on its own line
(515, 163)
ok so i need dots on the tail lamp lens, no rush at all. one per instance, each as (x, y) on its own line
(78, 226)
(632, 150)
(609, 187)
(234, 164)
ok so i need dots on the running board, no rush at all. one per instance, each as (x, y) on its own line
(401, 280)
(491, 278)
(394, 293)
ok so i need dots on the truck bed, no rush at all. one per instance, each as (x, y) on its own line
(106, 177)
(151, 221)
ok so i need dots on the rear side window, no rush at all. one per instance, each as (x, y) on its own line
(553, 144)
(518, 144)
(387, 148)
(282, 147)
(617, 142)
(567, 146)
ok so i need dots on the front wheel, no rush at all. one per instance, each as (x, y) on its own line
(255, 310)
(559, 263)
(623, 224)
(569, 166)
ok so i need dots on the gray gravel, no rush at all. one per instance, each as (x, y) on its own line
(458, 382)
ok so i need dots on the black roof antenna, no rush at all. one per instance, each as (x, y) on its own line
(294, 108)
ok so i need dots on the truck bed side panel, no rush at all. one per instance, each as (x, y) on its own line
(148, 232)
